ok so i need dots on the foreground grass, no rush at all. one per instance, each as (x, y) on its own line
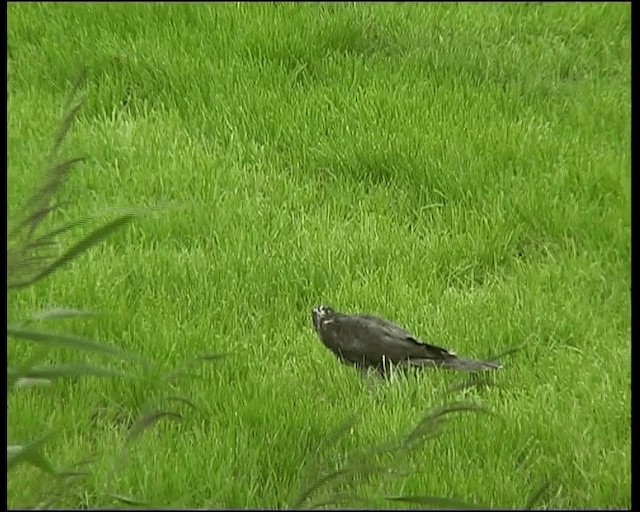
(462, 170)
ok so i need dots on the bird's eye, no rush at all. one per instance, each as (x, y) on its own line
(322, 311)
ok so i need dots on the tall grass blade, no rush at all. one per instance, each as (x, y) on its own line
(60, 313)
(71, 342)
(183, 374)
(128, 501)
(340, 499)
(508, 352)
(147, 422)
(428, 426)
(26, 382)
(49, 238)
(361, 469)
(537, 495)
(212, 357)
(39, 203)
(473, 380)
(76, 250)
(345, 426)
(435, 502)
(33, 219)
(30, 454)
(64, 127)
(63, 371)
(182, 400)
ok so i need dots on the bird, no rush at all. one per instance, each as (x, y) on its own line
(367, 341)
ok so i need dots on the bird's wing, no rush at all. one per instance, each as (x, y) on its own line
(384, 326)
(375, 337)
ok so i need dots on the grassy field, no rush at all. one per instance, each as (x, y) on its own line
(463, 170)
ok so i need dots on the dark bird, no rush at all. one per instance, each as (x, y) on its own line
(367, 341)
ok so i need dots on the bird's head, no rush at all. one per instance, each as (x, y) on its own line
(322, 315)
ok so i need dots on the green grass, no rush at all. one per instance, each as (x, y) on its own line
(463, 170)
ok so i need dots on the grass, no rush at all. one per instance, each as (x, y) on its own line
(463, 170)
